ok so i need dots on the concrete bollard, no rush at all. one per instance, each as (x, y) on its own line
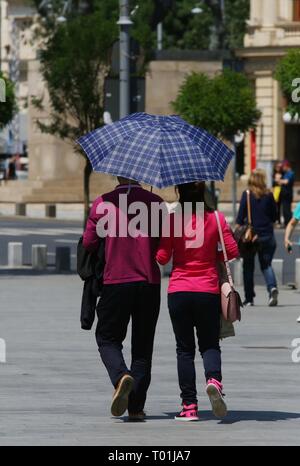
(50, 210)
(15, 254)
(39, 257)
(277, 265)
(21, 209)
(63, 259)
(237, 267)
(297, 273)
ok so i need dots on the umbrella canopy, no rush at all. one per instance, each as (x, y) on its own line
(158, 150)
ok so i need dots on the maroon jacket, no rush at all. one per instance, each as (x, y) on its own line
(127, 259)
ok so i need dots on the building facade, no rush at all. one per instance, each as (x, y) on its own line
(273, 29)
(55, 170)
(16, 18)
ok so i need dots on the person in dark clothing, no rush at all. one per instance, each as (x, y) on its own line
(277, 177)
(131, 289)
(264, 214)
(287, 185)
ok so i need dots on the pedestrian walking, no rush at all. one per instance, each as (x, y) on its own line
(194, 301)
(259, 204)
(289, 232)
(131, 290)
(287, 185)
(160, 151)
(277, 177)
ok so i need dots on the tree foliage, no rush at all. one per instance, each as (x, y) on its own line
(74, 63)
(222, 105)
(75, 60)
(9, 107)
(182, 28)
(287, 71)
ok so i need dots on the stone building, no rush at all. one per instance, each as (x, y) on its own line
(273, 28)
(55, 172)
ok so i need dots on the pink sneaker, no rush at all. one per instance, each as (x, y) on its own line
(215, 394)
(189, 413)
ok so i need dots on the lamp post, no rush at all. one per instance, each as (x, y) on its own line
(160, 36)
(124, 23)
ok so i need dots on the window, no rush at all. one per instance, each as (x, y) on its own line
(296, 16)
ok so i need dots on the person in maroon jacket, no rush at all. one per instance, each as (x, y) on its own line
(131, 290)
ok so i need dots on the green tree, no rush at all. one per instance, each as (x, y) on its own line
(75, 61)
(185, 30)
(237, 12)
(222, 105)
(9, 107)
(288, 75)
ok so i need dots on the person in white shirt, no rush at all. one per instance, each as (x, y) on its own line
(289, 232)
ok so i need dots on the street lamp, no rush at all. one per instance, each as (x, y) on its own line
(197, 10)
(124, 23)
(288, 118)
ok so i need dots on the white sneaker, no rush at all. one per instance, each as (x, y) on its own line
(273, 301)
(298, 320)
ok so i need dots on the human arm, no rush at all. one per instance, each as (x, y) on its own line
(230, 243)
(288, 179)
(242, 211)
(289, 232)
(272, 208)
(91, 240)
(165, 249)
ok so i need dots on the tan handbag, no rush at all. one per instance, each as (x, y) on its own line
(245, 235)
(230, 299)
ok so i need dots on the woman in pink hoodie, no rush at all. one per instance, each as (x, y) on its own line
(194, 299)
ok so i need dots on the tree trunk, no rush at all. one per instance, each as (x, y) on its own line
(86, 187)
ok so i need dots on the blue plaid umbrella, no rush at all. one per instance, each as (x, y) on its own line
(158, 150)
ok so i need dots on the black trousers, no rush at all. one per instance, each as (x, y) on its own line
(287, 210)
(140, 302)
(200, 311)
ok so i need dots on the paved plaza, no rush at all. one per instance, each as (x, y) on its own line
(55, 391)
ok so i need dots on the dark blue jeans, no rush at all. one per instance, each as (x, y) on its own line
(266, 250)
(200, 311)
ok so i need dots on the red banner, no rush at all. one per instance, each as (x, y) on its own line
(253, 150)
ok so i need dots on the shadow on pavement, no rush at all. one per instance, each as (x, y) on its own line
(240, 416)
(232, 417)
(31, 273)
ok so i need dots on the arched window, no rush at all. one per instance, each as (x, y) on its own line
(296, 10)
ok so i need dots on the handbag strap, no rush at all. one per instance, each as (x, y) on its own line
(230, 279)
(249, 208)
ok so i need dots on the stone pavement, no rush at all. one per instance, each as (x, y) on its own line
(54, 391)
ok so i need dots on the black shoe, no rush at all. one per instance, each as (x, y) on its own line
(140, 416)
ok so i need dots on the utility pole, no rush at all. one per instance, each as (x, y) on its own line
(160, 36)
(124, 23)
(0, 33)
(234, 183)
(14, 73)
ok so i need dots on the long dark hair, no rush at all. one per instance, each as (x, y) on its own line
(193, 192)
